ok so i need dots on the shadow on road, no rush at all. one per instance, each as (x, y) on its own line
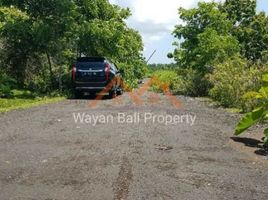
(262, 152)
(90, 97)
(249, 142)
(254, 143)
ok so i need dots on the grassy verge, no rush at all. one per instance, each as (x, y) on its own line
(23, 103)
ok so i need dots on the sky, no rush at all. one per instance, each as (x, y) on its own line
(155, 20)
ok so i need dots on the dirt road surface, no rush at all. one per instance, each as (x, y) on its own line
(45, 155)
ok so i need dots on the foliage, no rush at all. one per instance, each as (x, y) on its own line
(232, 79)
(132, 73)
(239, 11)
(257, 115)
(212, 33)
(152, 68)
(250, 28)
(22, 103)
(7, 84)
(14, 32)
(205, 37)
(194, 83)
(40, 40)
(254, 37)
(163, 79)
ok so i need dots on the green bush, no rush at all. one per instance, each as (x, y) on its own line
(7, 84)
(166, 78)
(194, 83)
(259, 114)
(232, 79)
(132, 73)
(40, 84)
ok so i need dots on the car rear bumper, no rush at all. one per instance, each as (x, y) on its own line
(91, 87)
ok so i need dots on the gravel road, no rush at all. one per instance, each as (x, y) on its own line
(46, 155)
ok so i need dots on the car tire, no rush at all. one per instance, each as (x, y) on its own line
(120, 91)
(113, 94)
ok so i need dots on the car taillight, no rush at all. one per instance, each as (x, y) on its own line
(73, 72)
(107, 71)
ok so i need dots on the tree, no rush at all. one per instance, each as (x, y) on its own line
(205, 37)
(240, 11)
(60, 30)
(15, 31)
(249, 28)
(109, 35)
(254, 37)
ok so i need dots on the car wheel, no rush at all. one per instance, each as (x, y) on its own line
(112, 94)
(120, 91)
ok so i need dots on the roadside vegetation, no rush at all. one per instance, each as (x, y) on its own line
(20, 99)
(259, 114)
(221, 51)
(40, 40)
(164, 79)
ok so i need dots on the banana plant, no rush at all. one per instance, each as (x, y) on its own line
(260, 114)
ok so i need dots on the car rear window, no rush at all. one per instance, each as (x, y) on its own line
(90, 65)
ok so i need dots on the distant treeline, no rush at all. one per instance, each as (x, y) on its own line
(162, 66)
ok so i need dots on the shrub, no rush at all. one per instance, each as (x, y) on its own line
(166, 78)
(260, 114)
(232, 79)
(194, 83)
(132, 73)
(7, 84)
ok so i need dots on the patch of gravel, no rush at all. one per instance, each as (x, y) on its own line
(45, 155)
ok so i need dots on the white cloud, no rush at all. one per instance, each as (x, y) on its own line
(154, 19)
(161, 11)
(155, 38)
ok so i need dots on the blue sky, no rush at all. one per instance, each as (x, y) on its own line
(155, 20)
